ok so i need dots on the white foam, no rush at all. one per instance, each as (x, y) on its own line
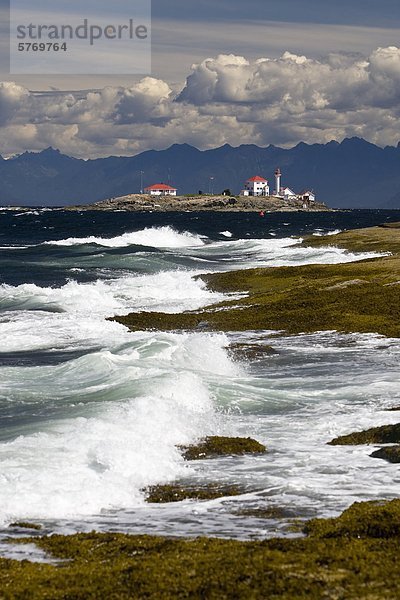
(87, 465)
(227, 234)
(320, 233)
(27, 213)
(250, 253)
(158, 398)
(155, 237)
(39, 318)
(144, 393)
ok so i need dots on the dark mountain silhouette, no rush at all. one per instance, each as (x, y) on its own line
(350, 174)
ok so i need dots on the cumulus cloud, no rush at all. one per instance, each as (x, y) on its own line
(225, 99)
(147, 102)
(12, 96)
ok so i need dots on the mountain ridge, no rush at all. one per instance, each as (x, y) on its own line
(353, 173)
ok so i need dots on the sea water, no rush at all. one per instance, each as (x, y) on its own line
(92, 414)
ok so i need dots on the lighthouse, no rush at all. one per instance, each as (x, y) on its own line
(278, 176)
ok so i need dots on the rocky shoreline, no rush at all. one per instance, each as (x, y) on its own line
(361, 296)
(353, 556)
(142, 202)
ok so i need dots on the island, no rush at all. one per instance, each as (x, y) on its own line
(205, 202)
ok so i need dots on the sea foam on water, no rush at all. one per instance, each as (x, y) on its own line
(155, 237)
(155, 397)
(84, 436)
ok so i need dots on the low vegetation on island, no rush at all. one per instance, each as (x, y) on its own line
(205, 202)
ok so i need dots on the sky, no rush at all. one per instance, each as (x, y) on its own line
(223, 71)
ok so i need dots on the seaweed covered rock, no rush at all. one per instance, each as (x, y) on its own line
(214, 446)
(283, 299)
(159, 494)
(160, 321)
(267, 512)
(251, 351)
(390, 453)
(26, 525)
(387, 434)
(352, 557)
(395, 225)
(377, 519)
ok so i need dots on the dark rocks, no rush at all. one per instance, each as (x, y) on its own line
(214, 446)
(25, 525)
(251, 351)
(390, 453)
(390, 225)
(387, 434)
(160, 494)
(161, 321)
(352, 557)
(362, 520)
(210, 447)
(268, 512)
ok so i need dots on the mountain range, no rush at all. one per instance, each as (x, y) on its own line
(350, 174)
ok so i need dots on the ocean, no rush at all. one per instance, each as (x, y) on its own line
(91, 414)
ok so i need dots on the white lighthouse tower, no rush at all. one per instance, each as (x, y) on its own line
(278, 176)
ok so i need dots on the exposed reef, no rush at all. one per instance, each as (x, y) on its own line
(26, 525)
(251, 351)
(386, 434)
(384, 238)
(160, 494)
(296, 299)
(362, 296)
(376, 519)
(210, 447)
(350, 557)
(389, 453)
(269, 512)
(214, 446)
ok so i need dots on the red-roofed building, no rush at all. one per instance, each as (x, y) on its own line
(256, 186)
(160, 189)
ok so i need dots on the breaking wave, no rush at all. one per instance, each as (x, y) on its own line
(154, 237)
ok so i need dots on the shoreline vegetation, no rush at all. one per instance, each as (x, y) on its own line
(361, 296)
(205, 202)
(353, 556)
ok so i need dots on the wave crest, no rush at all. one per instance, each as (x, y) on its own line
(154, 237)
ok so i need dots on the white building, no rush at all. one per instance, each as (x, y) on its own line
(307, 196)
(160, 189)
(256, 186)
(287, 193)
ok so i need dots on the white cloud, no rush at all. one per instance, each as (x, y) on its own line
(12, 96)
(225, 99)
